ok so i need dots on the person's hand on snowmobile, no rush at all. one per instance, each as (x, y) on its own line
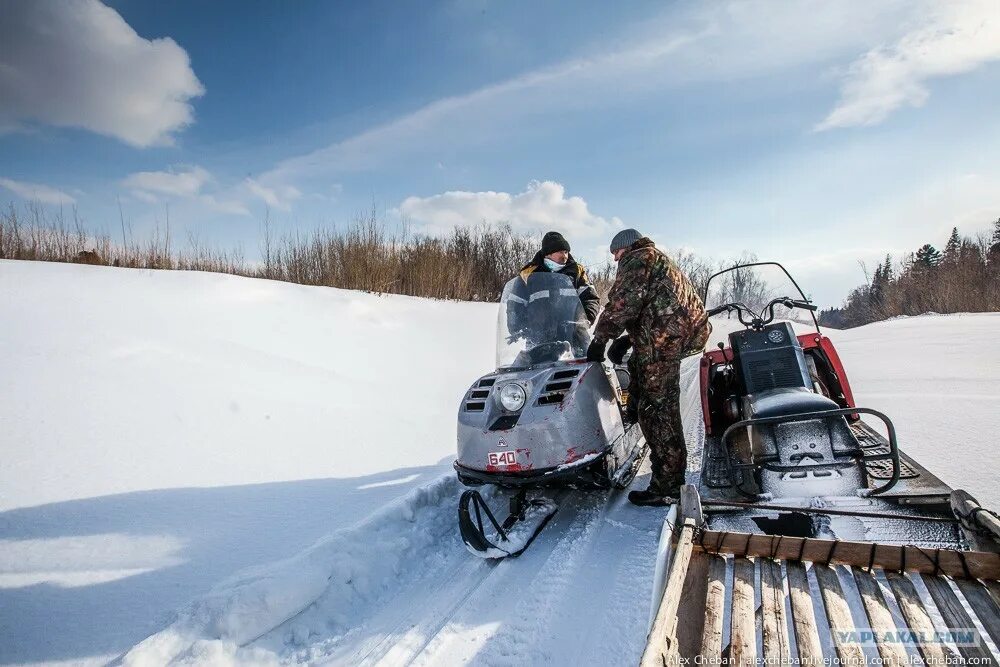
(619, 347)
(516, 334)
(596, 350)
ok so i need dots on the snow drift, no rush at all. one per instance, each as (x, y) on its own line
(350, 567)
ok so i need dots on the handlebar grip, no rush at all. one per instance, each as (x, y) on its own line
(718, 309)
(806, 305)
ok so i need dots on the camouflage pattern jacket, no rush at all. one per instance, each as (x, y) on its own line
(653, 301)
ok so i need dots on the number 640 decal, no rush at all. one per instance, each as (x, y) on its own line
(501, 458)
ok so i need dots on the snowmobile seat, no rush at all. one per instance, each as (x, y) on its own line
(785, 402)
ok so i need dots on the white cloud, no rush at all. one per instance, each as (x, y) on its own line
(147, 197)
(186, 182)
(182, 183)
(37, 192)
(230, 206)
(78, 63)
(543, 206)
(279, 196)
(957, 37)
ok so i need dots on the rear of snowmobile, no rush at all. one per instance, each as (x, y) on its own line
(544, 419)
(787, 450)
(807, 518)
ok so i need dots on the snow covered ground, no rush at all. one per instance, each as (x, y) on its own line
(162, 432)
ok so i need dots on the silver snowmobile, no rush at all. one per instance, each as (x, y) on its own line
(545, 418)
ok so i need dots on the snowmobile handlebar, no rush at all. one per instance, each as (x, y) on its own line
(755, 320)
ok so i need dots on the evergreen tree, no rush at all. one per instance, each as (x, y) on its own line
(887, 275)
(878, 287)
(994, 252)
(927, 257)
(954, 246)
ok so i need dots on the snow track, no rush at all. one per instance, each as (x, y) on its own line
(579, 593)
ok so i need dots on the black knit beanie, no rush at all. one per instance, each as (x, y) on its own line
(554, 242)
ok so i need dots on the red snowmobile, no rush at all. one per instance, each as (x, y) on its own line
(784, 436)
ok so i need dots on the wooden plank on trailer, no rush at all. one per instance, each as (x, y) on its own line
(955, 617)
(774, 626)
(880, 619)
(918, 620)
(692, 607)
(743, 629)
(715, 612)
(838, 612)
(985, 608)
(889, 557)
(661, 648)
(803, 616)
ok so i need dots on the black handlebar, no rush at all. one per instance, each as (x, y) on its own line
(720, 309)
(798, 303)
(766, 315)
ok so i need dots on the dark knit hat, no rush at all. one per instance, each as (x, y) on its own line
(554, 242)
(624, 239)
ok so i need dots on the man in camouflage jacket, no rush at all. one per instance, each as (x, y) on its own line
(656, 304)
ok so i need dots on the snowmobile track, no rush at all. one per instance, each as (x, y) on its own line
(579, 592)
(403, 629)
(546, 596)
(425, 629)
(452, 608)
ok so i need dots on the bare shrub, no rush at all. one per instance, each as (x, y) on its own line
(88, 257)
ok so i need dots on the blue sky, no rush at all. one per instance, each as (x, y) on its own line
(815, 133)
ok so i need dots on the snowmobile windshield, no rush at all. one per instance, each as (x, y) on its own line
(754, 286)
(541, 320)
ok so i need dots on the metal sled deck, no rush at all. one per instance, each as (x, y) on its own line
(757, 590)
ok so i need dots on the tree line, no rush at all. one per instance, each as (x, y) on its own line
(369, 254)
(962, 278)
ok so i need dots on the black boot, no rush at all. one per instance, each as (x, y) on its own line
(650, 498)
(659, 493)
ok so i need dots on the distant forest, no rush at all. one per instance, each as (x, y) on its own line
(962, 278)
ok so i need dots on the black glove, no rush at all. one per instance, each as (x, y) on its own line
(596, 350)
(616, 353)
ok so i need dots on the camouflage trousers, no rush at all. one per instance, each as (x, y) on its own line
(656, 385)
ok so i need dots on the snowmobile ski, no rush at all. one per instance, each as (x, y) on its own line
(492, 539)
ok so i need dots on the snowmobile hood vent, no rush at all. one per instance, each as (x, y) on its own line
(557, 387)
(475, 399)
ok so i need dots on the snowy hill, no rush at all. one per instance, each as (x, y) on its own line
(164, 431)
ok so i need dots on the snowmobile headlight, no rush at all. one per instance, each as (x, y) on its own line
(512, 396)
